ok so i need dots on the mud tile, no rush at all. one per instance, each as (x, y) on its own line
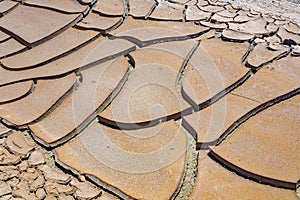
(45, 95)
(242, 18)
(37, 183)
(156, 30)
(217, 2)
(272, 27)
(208, 70)
(150, 92)
(276, 46)
(272, 80)
(67, 6)
(272, 39)
(97, 85)
(10, 47)
(296, 50)
(7, 6)
(40, 193)
(66, 189)
(231, 8)
(17, 144)
(283, 34)
(211, 8)
(193, 13)
(15, 91)
(110, 7)
(274, 149)
(6, 158)
(54, 174)
(13, 182)
(51, 50)
(5, 189)
(138, 175)
(262, 55)
(214, 25)
(22, 191)
(255, 26)
(3, 130)
(36, 158)
(216, 182)
(3, 36)
(292, 27)
(213, 121)
(236, 36)
(85, 190)
(23, 166)
(97, 22)
(219, 18)
(141, 9)
(226, 13)
(19, 23)
(168, 11)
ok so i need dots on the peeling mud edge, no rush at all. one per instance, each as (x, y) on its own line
(189, 178)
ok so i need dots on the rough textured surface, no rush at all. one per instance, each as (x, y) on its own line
(149, 99)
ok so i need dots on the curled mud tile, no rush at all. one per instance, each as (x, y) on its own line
(216, 182)
(219, 18)
(226, 13)
(20, 24)
(94, 53)
(77, 110)
(231, 35)
(61, 45)
(5, 189)
(10, 47)
(168, 11)
(54, 174)
(7, 6)
(110, 7)
(150, 32)
(209, 124)
(292, 28)
(214, 25)
(274, 148)
(283, 34)
(193, 13)
(127, 173)
(254, 26)
(218, 2)
(150, 92)
(261, 55)
(85, 190)
(17, 144)
(67, 6)
(15, 91)
(3, 37)
(30, 108)
(276, 46)
(211, 8)
(214, 66)
(242, 18)
(140, 9)
(100, 23)
(272, 80)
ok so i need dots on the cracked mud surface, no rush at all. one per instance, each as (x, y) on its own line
(150, 99)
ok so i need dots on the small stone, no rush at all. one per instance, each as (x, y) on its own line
(54, 174)
(37, 183)
(85, 190)
(4, 189)
(40, 193)
(36, 158)
(17, 144)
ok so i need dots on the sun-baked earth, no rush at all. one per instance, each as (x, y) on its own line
(148, 99)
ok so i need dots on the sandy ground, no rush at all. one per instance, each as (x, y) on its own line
(287, 8)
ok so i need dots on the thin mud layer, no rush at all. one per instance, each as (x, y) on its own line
(130, 99)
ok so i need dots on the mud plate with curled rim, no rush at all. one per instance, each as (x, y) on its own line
(149, 99)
